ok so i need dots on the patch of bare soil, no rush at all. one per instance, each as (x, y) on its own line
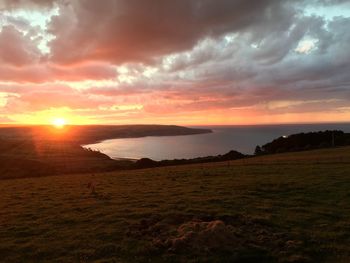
(233, 239)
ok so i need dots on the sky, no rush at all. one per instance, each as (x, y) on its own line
(194, 62)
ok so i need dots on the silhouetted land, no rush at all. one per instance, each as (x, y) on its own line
(88, 134)
(26, 158)
(290, 207)
(34, 151)
(305, 141)
(148, 163)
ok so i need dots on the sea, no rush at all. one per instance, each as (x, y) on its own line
(223, 139)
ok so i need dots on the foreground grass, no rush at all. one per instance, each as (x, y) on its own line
(280, 208)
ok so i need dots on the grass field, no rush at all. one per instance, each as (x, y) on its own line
(291, 207)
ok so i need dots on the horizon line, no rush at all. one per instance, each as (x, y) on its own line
(184, 125)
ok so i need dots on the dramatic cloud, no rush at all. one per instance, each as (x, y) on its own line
(16, 48)
(196, 61)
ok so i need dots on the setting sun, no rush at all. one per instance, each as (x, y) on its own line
(59, 122)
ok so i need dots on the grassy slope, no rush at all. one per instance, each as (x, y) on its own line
(291, 207)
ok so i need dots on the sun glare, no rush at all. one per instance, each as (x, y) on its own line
(59, 123)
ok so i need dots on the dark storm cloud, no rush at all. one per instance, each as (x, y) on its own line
(129, 30)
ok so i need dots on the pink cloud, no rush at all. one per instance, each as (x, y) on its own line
(40, 97)
(44, 72)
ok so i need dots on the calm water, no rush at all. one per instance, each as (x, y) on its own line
(223, 139)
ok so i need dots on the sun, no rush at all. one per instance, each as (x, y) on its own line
(59, 123)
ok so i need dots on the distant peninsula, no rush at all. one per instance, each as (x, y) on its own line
(100, 133)
(88, 134)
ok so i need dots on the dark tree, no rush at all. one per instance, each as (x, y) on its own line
(258, 150)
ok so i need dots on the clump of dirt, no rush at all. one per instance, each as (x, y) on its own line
(197, 235)
(235, 239)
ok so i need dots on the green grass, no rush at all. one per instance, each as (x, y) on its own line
(291, 207)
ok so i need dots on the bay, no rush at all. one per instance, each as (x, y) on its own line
(223, 139)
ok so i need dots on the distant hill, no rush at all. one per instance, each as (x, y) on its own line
(305, 141)
(87, 134)
(26, 158)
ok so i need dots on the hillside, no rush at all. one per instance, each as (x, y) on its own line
(25, 158)
(305, 142)
(33, 151)
(291, 207)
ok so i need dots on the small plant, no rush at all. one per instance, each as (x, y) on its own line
(92, 186)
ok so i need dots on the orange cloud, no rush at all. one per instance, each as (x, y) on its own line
(39, 73)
